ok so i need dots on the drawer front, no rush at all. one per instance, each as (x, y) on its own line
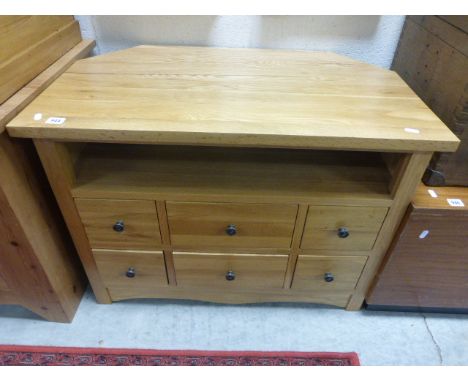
(230, 271)
(120, 224)
(231, 225)
(342, 228)
(132, 269)
(328, 273)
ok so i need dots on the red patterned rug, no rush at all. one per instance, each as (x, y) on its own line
(14, 355)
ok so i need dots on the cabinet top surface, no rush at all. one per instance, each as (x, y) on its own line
(226, 96)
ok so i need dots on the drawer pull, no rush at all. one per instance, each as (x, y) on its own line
(231, 230)
(119, 226)
(230, 276)
(343, 233)
(130, 273)
(328, 277)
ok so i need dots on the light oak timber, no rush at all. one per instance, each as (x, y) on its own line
(323, 222)
(58, 167)
(141, 125)
(339, 298)
(296, 243)
(209, 270)
(228, 250)
(311, 270)
(148, 267)
(180, 173)
(139, 217)
(271, 110)
(396, 163)
(256, 225)
(13, 105)
(18, 33)
(25, 65)
(337, 253)
(166, 241)
(410, 179)
(38, 266)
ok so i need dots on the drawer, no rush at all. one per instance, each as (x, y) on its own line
(328, 273)
(229, 271)
(120, 224)
(342, 228)
(133, 269)
(231, 225)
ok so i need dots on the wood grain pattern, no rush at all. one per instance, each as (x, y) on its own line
(237, 296)
(271, 100)
(204, 224)
(24, 65)
(432, 58)
(166, 241)
(141, 225)
(209, 270)
(458, 21)
(296, 243)
(240, 97)
(38, 264)
(410, 178)
(148, 266)
(323, 222)
(58, 166)
(231, 174)
(442, 27)
(310, 272)
(429, 271)
(18, 101)
(19, 33)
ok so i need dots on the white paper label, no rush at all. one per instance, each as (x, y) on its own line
(37, 116)
(424, 234)
(455, 202)
(432, 193)
(411, 130)
(55, 120)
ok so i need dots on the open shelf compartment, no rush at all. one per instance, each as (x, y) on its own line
(199, 173)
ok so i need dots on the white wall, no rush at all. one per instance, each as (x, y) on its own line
(368, 38)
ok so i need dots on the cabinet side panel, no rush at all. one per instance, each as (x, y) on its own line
(59, 169)
(410, 179)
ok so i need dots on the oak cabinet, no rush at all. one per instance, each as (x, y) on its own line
(232, 175)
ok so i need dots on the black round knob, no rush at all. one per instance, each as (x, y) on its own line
(343, 233)
(130, 273)
(230, 276)
(119, 226)
(231, 229)
(328, 277)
